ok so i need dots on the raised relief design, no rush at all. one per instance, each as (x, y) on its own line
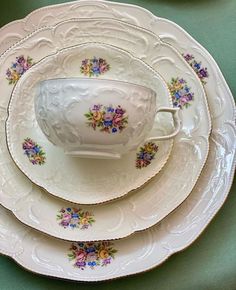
(18, 68)
(146, 154)
(34, 152)
(107, 119)
(91, 254)
(180, 93)
(94, 66)
(75, 218)
(197, 66)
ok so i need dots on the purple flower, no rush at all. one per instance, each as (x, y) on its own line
(203, 72)
(119, 110)
(106, 261)
(188, 57)
(96, 107)
(64, 223)
(80, 264)
(182, 81)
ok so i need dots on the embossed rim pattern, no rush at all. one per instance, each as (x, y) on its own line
(207, 219)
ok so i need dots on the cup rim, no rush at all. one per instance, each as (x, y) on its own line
(97, 80)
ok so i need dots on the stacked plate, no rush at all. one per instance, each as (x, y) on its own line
(97, 219)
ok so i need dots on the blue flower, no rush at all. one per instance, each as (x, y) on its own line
(114, 130)
(90, 250)
(36, 149)
(177, 95)
(74, 215)
(186, 89)
(197, 65)
(148, 156)
(110, 109)
(92, 264)
(81, 245)
(68, 209)
(107, 123)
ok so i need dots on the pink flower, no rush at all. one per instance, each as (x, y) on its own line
(91, 257)
(66, 216)
(108, 117)
(81, 256)
(117, 119)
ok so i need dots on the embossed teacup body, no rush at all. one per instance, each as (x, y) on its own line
(96, 117)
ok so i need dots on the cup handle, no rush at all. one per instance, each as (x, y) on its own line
(177, 124)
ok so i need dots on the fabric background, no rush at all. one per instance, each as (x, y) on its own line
(210, 262)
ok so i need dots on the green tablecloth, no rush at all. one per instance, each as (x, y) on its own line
(210, 263)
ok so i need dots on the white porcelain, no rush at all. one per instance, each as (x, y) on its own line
(181, 228)
(123, 217)
(121, 116)
(85, 182)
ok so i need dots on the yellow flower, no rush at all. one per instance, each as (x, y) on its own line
(86, 69)
(97, 116)
(177, 86)
(15, 76)
(84, 221)
(103, 254)
(148, 148)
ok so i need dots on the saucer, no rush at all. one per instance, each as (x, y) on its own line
(163, 194)
(88, 181)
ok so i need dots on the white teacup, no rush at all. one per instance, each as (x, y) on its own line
(98, 118)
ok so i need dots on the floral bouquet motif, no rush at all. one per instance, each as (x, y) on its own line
(34, 152)
(146, 154)
(197, 66)
(75, 218)
(180, 92)
(18, 68)
(91, 254)
(107, 119)
(94, 67)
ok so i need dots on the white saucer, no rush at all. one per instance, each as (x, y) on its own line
(78, 180)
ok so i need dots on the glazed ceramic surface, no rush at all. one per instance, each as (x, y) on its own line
(120, 114)
(85, 183)
(132, 214)
(188, 221)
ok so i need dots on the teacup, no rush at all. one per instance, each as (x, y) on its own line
(98, 118)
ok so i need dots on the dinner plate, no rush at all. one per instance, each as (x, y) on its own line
(123, 217)
(182, 227)
(85, 182)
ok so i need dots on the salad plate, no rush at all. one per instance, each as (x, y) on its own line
(179, 229)
(85, 182)
(35, 208)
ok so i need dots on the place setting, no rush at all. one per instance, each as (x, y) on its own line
(112, 132)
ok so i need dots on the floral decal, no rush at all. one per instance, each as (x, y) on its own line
(146, 154)
(94, 67)
(197, 66)
(91, 254)
(180, 92)
(107, 119)
(75, 218)
(34, 152)
(18, 68)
